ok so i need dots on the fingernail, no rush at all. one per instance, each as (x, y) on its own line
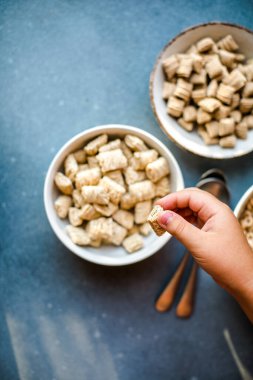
(165, 218)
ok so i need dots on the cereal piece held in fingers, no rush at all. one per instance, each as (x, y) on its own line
(152, 219)
(63, 183)
(62, 205)
(133, 243)
(92, 147)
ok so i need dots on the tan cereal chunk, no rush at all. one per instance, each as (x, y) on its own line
(78, 235)
(124, 218)
(152, 219)
(63, 183)
(135, 143)
(92, 147)
(62, 205)
(112, 160)
(133, 243)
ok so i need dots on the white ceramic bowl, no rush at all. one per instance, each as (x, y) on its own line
(192, 141)
(240, 207)
(106, 255)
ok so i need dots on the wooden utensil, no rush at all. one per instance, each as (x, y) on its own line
(186, 303)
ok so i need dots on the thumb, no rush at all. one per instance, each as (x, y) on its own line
(189, 235)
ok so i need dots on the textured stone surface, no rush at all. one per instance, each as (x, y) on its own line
(66, 66)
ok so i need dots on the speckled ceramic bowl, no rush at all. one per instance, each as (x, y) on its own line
(192, 141)
(106, 255)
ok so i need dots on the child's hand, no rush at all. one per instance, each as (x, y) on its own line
(211, 232)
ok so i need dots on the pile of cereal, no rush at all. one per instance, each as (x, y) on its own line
(246, 221)
(210, 87)
(108, 191)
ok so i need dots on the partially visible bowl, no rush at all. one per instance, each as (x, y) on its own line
(106, 255)
(192, 141)
(240, 207)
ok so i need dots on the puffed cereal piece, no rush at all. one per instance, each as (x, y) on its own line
(246, 105)
(247, 70)
(205, 136)
(92, 147)
(124, 218)
(115, 144)
(249, 121)
(118, 234)
(62, 205)
(152, 220)
(170, 66)
(199, 79)
(236, 115)
(212, 88)
(82, 167)
(192, 49)
(70, 167)
(99, 229)
(227, 43)
(228, 141)
(241, 130)
(209, 104)
(77, 198)
(133, 243)
(198, 94)
(89, 177)
(95, 194)
(80, 156)
(190, 114)
(114, 189)
(162, 187)
(235, 79)
(185, 67)
(222, 112)
(126, 151)
(248, 90)
(197, 62)
(141, 211)
(132, 175)
(205, 44)
(78, 235)
(203, 117)
(142, 159)
(145, 229)
(142, 191)
(92, 162)
(226, 126)
(112, 160)
(157, 169)
(135, 229)
(183, 89)
(235, 101)
(225, 93)
(74, 217)
(188, 126)
(88, 212)
(212, 128)
(214, 68)
(128, 201)
(168, 90)
(116, 176)
(63, 183)
(135, 143)
(227, 58)
(106, 210)
(175, 106)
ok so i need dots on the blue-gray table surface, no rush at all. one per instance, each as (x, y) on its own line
(66, 66)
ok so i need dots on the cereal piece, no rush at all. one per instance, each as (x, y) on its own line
(236, 115)
(168, 90)
(92, 162)
(74, 217)
(135, 229)
(88, 212)
(114, 189)
(170, 66)
(142, 159)
(95, 243)
(188, 126)
(142, 191)
(78, 235)
(214, 68)
(185, 67)
(118, 234)
(126, 151)
(227, 43)
(228, 141)
(157, 169)
(63, 183)
(192, 49)
(89, 177)
(212, 128)
(205, 44)
(116, 176)
(162, 187)
(112, 160)
(124, 218)
(77, 198)
(83, 167)
(248, 90)
(115, 144)
(106, 210)
(212, 88)
(209, 104)
(203, 117)
(70, 167)
(241, 130)
(226, 126)
(80, 156)
(183, 89)
(132, 175)
(249, 121)
(205, 136)
(247, 70)
(199, 78)
(197, 62)
(133, 243)
(135, 143)
(225, 93)
(198, 94)
(235, 79)
(92, 147)
(227, 58)
(222, 112)
(145, 229)
(62, 205)
(127, 201)
(152, 219)
(141, 211)
(239, 57)
(190, 114)
(175, 106)
(100, 229)
(235, 101)
(95, 194)
(246, 105)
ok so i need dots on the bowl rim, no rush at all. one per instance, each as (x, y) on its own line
(108, 261)
(151, 82)
(242, 202)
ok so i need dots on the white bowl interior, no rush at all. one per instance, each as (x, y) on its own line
(240, 207)
(106, 255)
(192, 141)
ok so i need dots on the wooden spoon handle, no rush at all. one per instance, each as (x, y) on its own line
(186, 303)
(166, 298)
